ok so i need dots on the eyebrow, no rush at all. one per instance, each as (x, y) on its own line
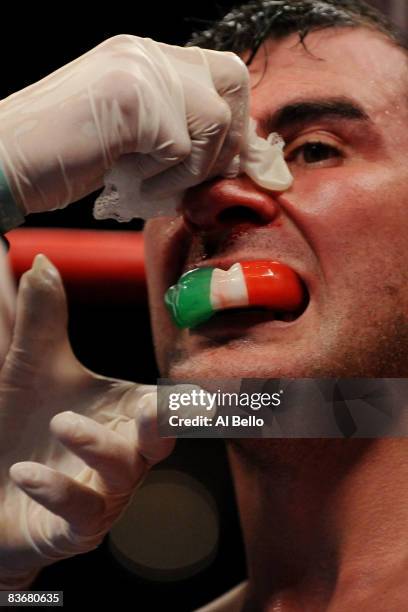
(309, 111)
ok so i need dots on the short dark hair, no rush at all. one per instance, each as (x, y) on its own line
(247, 26)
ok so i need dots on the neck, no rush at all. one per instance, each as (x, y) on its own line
(324, 521)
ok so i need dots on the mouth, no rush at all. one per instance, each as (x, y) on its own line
(239, 320)
(246, 293)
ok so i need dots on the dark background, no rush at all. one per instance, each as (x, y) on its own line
(115, 340)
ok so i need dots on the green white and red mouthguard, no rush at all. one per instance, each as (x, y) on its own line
(201, 292)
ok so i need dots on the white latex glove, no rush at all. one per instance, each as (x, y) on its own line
(7, 303)
(183, 109)
(77, 443)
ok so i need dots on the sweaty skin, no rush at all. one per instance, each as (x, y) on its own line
(325, 522)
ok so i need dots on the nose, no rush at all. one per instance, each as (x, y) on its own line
(225, 202)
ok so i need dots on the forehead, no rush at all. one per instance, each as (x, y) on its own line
(345, 61)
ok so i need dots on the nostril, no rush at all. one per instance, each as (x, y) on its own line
(190, 225)
(239, 214)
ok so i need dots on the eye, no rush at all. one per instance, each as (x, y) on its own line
(315, 153)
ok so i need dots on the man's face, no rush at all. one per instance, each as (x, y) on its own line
(341, 107)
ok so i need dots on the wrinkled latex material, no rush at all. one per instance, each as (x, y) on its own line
(180, 113)
(144, 118)
(74, 445)
(124, 198)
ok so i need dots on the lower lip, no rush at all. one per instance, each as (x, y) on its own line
(226, 322)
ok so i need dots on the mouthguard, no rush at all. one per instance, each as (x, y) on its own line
(201, 292)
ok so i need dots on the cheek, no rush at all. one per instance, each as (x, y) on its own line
(152, 229)
(160, 262)
(155, 242)
(344, 211)
(356, 223)
(156, 236)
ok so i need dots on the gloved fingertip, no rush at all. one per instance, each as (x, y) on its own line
(68, 427)
(38, 262)
(148, 406)
(63, 420)
(43, 266)
(23, 474)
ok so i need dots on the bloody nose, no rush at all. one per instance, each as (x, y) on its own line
(223, 202)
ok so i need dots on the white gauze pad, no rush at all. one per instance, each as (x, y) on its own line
(122, 198)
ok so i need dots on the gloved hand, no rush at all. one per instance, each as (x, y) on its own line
(7, 303)
(184, 110)
(73, 445)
